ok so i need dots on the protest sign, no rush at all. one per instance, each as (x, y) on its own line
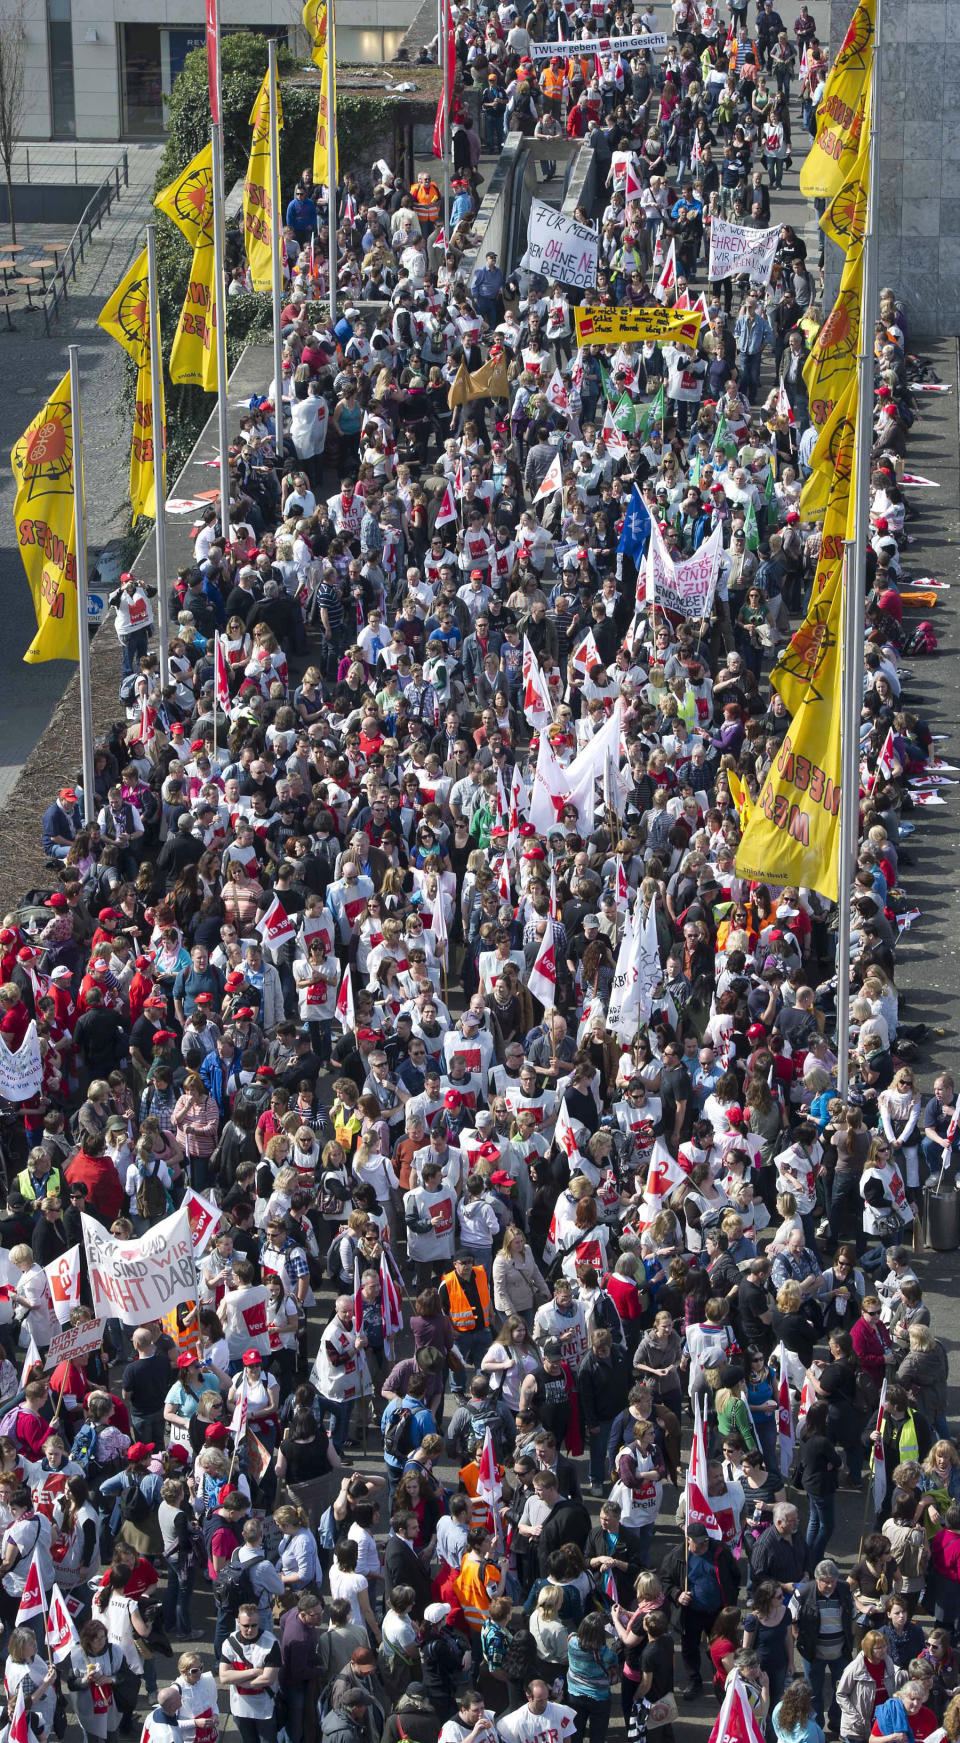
(21, 1072)
(683, 589)
(141, 1280)
(736, 248)
(655, 41)
(560, 248)
(625, 326)
(74, 1342)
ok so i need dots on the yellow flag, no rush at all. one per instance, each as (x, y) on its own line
(832, 362)
(840, 117)
(802, 658)
(832, 456)
(42, 464)
(490, 381)
(315, 24)
(740, 797)
(193, 356)
(845, 219)
(126, 317)
(189, 198)
(460, 391)
(793, 836)
(259, 219)
(318, 23)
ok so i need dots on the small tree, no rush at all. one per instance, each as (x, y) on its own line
(13, 45)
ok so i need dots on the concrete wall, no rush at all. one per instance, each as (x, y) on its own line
(919, 156)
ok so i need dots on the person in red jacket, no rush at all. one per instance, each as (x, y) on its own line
(92, 1169)
(15, 1020)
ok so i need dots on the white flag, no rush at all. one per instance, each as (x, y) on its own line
(62, 1634)
(542, 980)
(276, 927)
(553, 480)
(63, 1276)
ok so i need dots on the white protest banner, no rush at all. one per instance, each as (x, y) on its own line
(560, 248)
(63, 1276)
(735, 248)
(683, 589)
(21, 1073)
(655, 41)
(137, 1281)
(74, 1342)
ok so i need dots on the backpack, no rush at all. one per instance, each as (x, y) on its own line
(606, 1317)
(331, 1263)
(135, 1509)
(398, 1433)
(922, 640)
(234, 1585)
(152, 1201)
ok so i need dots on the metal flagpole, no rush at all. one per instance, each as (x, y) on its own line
(445, 128)
(332, 177)
(83, 634)
(855, 578)
(275, 243)
(159, 459)
(219, 310)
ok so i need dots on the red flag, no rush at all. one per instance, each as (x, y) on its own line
(221, 677)
(390, 1304)
(663, 1173)
(564, 1133)
(699, 1510)
(441, 121)
(32, 1599)
(736, 1722)
(19, 1728)
(213, 58)
(542, 979)
(276, 927)
(784, 1417)
(447, 510)
(62, 1634)
(147, 718)
(357, 1297)
(344, 1007)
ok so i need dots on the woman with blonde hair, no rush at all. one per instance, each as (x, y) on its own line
(549, 1633)
(510, 1359)
(298, 1561)
(924, 1372)
(900, 1109)
(518, 1286)
(794, 1322)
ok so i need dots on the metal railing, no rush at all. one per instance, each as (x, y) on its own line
(94, 213)
(44, 162)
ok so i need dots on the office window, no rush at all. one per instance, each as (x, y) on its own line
(60, 36)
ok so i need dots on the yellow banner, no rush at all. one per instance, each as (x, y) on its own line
(193, 357)
(42, 464)
(793, 835)
(832, 362)
(840, 117)
(189, 198)
(490, 381)
(740, 797)
(126, 317)
(259, 219)
(800, 660)
(832, 456)
(845, 219)
(622, 326)
(315, 24)
(318, 23)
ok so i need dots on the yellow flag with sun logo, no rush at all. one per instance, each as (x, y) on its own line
(126, 317)
(318, 24)
(42, 464)
(842, 111)
(845, 219)
(799, 663)
(259, 219)
(833, 448)
(832, 362)
(188, 201)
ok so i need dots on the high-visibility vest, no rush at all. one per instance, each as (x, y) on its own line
(472, 1587)
(427, 201)
(480, 1512)
(53, 1187)
(553, 83)
(461, 1312)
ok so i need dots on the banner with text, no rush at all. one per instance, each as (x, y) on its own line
(735, 248)
(74, 1343)
(136, 1281)
(629, 326)
(655, 41)
(560, 248)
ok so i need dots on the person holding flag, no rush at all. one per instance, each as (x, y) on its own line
(701, 1578)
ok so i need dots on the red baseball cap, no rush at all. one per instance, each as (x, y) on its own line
(453, 1099)
(57, 900)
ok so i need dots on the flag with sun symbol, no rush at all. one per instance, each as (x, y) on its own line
(188, 201)
(801, 662)
(42, 464)
(842, 114)
(259, 219)
(318, 23)
(126, 317)
(832, 457)
(845, 219)
(832, 363)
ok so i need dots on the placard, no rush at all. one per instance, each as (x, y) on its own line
(137, 1281)
(736, 248)
(74, 1342)
(655, 41)
(629, 326)
(560, 248)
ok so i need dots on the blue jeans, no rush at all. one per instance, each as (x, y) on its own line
(816, 1671)
(473, 1346)
(821, 1520)
(341, 1409)
(748, 364)
(599, 1436)
(133, 647)
(176, 1600)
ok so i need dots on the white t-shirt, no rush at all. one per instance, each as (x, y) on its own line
(550, 1726)
(348, 1586)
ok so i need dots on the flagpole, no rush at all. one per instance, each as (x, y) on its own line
(219, 311)
(83, 634)
(275, 233)
(855, 580)
(216, 700)
(445, 129)
(330, 76)
(159, 457)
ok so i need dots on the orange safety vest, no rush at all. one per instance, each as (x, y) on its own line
(553, 83)
(472, 1586)
(461, 1312)
(427, 200)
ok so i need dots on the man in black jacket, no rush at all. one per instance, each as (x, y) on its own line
(700, 1577)
(603, 1382)
(567, 1521)
(778, 1553)
(809, 1601)
(608, 1550)
(402, 1566)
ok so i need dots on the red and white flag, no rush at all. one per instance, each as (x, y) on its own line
(632, 184)
(441, 124)
(31, 1360)
(878, 1460)
(613, 436)
(504, 889)
(551, 788)
(19, 1726)
(448, 508)
(663, 1173)
(564, 1133)
(489, 1487)
(62, 1634)
(536, 697)
(344, 1006)
(557, 394)
(736, 1721)
(542, 980)
(502, 807)
(553, 910)
(552, 481)
(221, 676)
(699, 1510)
(438, 926)
(357, 1297)
(668, 276)
(204, 1218)
(33, 1600)
(888, 763)
(586, 654)
(390, 1299)
(784, 408)
(622, 889)
(148, 717)
(213, 58)
(808, 1397)
(63, 1276)
(276, 927)
(785, 1428)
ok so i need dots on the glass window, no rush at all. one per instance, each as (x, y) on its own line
(60, 35)
(141, 81)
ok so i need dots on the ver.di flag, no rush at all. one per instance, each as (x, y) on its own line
(793, 836)
(188, 202)
(62, 1634)
(842, 109)
(259, 219)
(126, 317)
(42, 464)
(63, 1278)
(33, 1601)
